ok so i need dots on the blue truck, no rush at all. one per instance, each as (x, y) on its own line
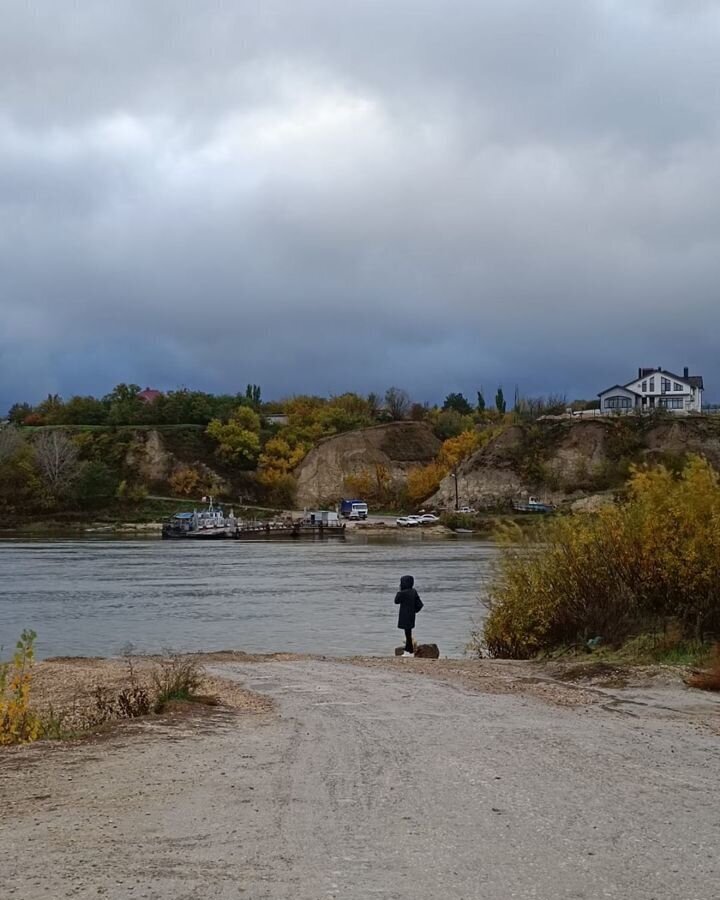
(353, 509)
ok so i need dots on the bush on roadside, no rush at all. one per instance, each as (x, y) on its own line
(18, 723)
(628, 569)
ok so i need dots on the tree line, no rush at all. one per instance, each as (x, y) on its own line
(126, 405)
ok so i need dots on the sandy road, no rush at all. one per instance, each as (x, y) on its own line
(372, 783)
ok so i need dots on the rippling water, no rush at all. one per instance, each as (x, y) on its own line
(93, 597)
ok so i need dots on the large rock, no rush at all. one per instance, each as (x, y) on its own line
(394, 448)
(427, 651)
(422, 651)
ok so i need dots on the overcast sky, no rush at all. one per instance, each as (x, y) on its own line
(331, 195)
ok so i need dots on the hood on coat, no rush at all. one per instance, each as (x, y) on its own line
(407, 581)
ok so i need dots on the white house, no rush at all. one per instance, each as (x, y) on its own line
(655, 389)
(276, 419)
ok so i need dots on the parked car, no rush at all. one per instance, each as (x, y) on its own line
(429, 519)
(466, 509)
(408, 521)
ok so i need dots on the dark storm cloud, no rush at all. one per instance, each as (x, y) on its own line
(327, 196)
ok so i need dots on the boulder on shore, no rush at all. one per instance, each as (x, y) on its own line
(422, 651)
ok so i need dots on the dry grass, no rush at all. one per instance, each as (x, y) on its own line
(74, 692)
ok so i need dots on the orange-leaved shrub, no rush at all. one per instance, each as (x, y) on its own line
(653, 557)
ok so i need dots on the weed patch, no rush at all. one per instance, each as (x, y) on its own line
(176, 678)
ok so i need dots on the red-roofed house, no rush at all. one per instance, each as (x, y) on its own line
(149, 395)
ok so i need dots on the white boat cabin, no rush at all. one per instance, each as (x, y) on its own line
(323, 517)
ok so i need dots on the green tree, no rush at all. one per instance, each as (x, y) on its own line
(18, 412)
(50, 410)
(458, 403)
(235, 443)
(81, 411)
(253, 394)
(480, 401)
(184, 407)
(247, 418)
(500, 404)
(344, 413)
(21, 489)
(96, 484)
(124, 405)
(238, 439)
(450, 423)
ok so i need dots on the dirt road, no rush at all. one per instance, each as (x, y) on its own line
(370, 782)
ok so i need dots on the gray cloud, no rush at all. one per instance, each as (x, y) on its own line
(322, 196)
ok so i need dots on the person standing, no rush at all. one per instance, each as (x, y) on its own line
(410, 604)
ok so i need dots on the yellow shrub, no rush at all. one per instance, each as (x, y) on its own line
(18, 724)
(654, 557)
(280, 456)
(185, 480)
(424, 481)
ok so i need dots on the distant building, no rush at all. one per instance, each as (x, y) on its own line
(276, 419)
(149, 395)
(655, 389)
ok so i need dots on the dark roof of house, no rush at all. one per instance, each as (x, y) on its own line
(622, 387)
(695, 381)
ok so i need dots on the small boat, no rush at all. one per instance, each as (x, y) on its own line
(207, 524)
(533, 505)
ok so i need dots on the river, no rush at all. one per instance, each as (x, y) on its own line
(94, 597)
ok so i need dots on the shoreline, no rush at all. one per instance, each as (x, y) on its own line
(153, 529)
(68, 686)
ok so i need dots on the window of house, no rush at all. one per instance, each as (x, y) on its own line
(652, 385)
(664, 385)
(676, 386)
(617, 403)
(644, 387)
(671, 402)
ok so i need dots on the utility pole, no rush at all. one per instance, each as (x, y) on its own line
(457, 501)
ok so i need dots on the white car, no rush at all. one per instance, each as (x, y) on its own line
(429, 519)
(408, 521)
(466, 509)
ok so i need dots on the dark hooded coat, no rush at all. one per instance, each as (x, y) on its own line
(409, 601)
